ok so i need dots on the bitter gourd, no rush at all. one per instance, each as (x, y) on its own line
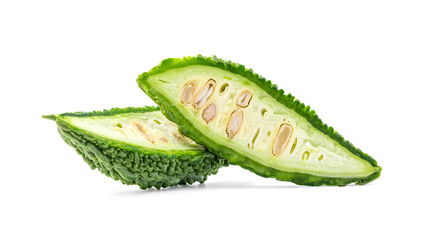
(137, 146)
(239, 115)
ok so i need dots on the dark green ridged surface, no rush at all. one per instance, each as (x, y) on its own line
(173, 114)
(133, 164)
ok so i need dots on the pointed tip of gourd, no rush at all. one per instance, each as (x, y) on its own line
(49, 117)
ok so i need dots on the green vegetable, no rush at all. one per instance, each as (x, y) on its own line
(137, 146)
(238, 115)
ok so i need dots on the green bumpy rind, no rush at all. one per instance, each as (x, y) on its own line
(131, 164)
(172, 113)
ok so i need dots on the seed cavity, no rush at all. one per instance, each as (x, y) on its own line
(264, 112)
(244, 98)
(223, 89)
(282, 138)
(294, 146)
(157, 121)
(209, 112)
(305, 155)
(143, 132)
(234, 123)
(320, 158)
(255, 136)
(187, 92)
(204, 94)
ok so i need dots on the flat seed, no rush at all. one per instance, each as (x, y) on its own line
(209, 112)
(204, 94)
(283, 136)
(187, 92)
(182, 139)
(244, 99)
(234, 123)
(143, 132)
(178, 136)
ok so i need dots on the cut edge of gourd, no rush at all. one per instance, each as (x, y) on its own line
(93, 150)
(272, 89)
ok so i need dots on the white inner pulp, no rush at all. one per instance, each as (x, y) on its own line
(149, 129)
(308, 150)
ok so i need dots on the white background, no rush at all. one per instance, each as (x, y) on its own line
(361, 65)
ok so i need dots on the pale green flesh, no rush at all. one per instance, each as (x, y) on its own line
(122, 128)
(337, 161)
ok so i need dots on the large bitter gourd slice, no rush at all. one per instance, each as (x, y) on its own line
(239, 115)
(137, 146)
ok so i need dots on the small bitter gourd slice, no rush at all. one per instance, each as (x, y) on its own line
(239, 115)
(137, 146)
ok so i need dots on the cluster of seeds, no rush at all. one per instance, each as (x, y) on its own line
(138, 129)
(200, 99)
(236, 117)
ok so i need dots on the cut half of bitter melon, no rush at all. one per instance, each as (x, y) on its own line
(239, 115)
(137, 146)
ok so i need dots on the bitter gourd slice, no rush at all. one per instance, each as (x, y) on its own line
(239, 115)
(137, 146)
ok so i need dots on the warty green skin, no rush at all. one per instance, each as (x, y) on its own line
(172, 112)
(132, 164)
